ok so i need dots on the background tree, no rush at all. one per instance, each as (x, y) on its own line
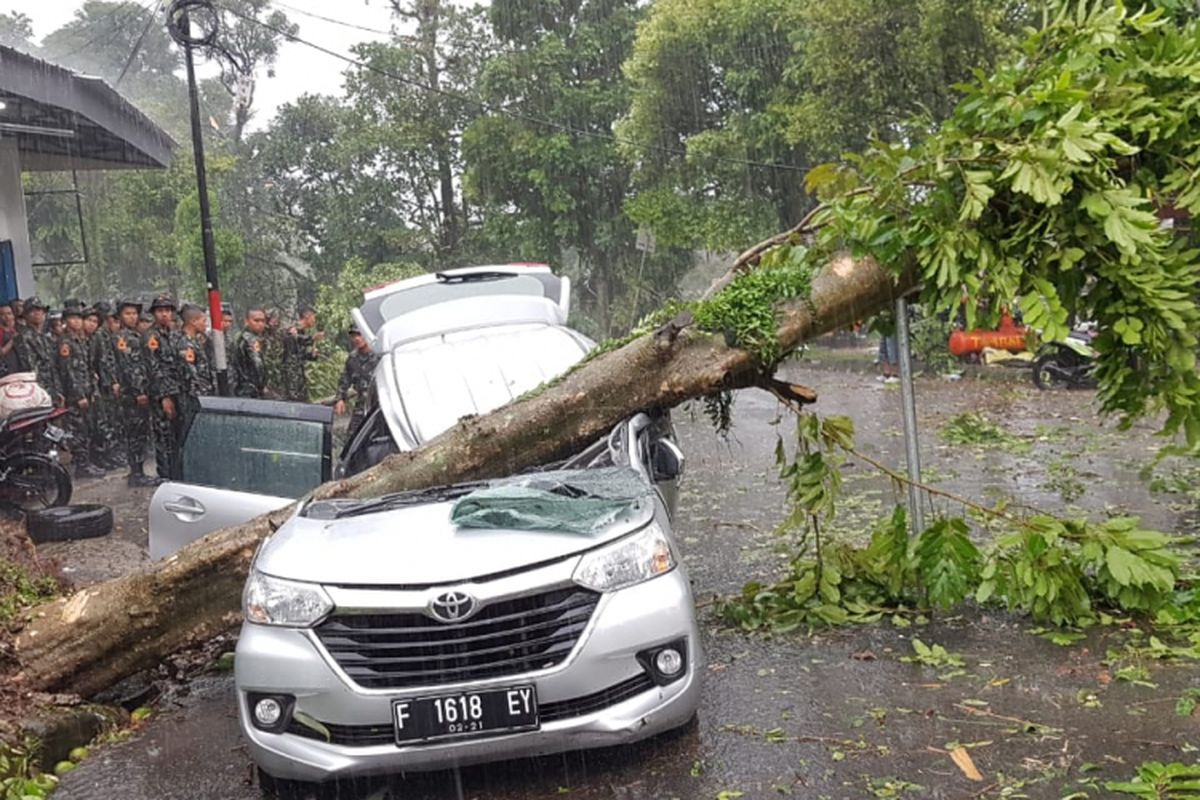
(557, 191)
(250, 35)
(16, 30)
(717, 83)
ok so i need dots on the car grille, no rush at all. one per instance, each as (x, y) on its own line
(508, 637)
(369, 735)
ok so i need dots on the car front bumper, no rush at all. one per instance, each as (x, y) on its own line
(600, 695)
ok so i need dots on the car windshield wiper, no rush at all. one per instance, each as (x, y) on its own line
(416, 497)
(473, 277)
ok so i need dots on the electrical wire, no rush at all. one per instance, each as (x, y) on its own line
(333, 21)
(518, 115)
(138, 44)
(128, 6)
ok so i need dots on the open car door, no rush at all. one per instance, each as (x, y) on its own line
(240, 458)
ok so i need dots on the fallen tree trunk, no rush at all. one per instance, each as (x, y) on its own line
(88, 641)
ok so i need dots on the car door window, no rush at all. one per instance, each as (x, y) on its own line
(257, 454)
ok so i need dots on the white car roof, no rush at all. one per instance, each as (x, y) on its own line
(426, 385)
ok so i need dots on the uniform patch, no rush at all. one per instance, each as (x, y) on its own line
(152, 343)
(122, 345)
(65, 350)
(257, 345)
(189, 356)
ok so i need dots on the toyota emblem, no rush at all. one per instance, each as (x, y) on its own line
(452, 606)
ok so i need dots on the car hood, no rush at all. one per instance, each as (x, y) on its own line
(419, 546)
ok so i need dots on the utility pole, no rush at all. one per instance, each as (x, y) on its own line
(179, 25)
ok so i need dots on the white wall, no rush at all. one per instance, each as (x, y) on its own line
(13, 223)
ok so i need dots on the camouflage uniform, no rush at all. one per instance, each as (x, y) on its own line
(106, 416)
(273, 355)
(249, 365)
(134, 380)
(231, 340)
(356, 375)
(35, 353)
(77, 382)
(200, 371)
(166, 380)
(299, 348)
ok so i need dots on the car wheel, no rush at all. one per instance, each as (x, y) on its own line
(69, 522)
(685, 731)
(281, 789)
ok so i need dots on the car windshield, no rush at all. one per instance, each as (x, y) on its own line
(262, 455)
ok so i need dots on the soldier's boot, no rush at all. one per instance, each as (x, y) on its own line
(138, 477)
(89, 471)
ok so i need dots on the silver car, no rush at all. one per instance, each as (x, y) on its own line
(382, 635)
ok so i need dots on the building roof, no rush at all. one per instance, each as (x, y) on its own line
(65, 120)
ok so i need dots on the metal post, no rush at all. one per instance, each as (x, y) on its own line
(206, 230)
(908, 403)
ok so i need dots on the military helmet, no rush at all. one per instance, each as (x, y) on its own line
(103, 308)
(35, 302)
(73, 308)
(129, 302)
(162, 301)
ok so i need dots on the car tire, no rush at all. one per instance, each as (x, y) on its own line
(65, 523)
(687, 730)
(273, 788)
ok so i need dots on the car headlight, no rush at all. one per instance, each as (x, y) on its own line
(627, 561)
(274, 601)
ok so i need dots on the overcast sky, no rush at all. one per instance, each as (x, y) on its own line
(300, 69)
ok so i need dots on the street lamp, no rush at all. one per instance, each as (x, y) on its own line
(179, 25)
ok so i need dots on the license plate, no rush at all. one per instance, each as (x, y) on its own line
(421, 719)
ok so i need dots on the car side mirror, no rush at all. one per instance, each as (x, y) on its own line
(666, 461)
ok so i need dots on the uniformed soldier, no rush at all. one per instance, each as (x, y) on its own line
(8, 340)
(356, 375)
(35, 351)
(166, 384)
(196, 354)
(78, 388)
(273, 345)
(145, 322)
(300, 347)
(135, 393)
(56, 325)
(248, 365)
(107, 442)
(231, 342)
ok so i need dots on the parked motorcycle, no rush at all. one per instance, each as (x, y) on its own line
(1068, 364)
(31, 476)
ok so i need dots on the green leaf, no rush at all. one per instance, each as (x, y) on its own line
(947, 562)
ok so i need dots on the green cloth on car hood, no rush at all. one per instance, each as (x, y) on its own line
(583, 501)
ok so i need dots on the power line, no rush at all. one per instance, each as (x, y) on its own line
(138, 44)
(333, 21)
(112, 34)
(518, 115)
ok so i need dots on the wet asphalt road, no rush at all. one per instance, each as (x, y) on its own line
(829, 714)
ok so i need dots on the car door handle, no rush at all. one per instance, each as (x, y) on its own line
(184, 507)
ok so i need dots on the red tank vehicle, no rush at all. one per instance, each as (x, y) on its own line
(1009, 336)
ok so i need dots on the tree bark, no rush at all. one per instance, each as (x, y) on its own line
(93, 638)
